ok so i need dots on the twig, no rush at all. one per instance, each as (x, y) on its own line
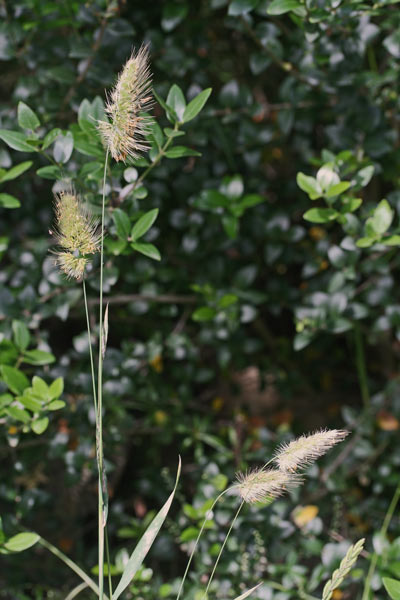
(162, 299)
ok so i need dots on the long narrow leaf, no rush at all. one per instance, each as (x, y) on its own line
(243, 596)
(145, 543)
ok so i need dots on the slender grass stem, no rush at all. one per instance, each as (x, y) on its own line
(207, 516)
(96, 413)
(108, 564)
(76, 591)
(383, 532)
(222, 549)
(90, 347)
(361, 367)
(99, 427)
(70, 563)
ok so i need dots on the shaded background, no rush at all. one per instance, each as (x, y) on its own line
(210, 353)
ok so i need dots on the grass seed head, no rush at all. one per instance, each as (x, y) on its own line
(76, 234)
(124, 134)
(299, 453)
(260, 484)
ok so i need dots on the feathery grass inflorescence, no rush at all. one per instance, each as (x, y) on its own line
(343, 570)
(76, 234)
(259, 485)
(131, 96)
(299, 453)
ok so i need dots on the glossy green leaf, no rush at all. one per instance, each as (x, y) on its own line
(143, 224)
(63, 147)
(8, 201)
(21, 335)
(16, 140)
(280, 7)
(15, 380)
(176, 101)
(145, 543)
(27, 119)
(320, 215)
(38, 357)
(204, 313)
(19, 414)
(195, 106)
(16, 171)
(382, 218)
(40, 425)
(56, 388)
(337, 188)
(147, 250)
(309, 185)
(392, 586)
(50, 172)
(56, 405)
(21, 541)
(180, 151)
(122, 223)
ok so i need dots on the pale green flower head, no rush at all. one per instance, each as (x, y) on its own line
(76, 234)
(261, 484)
(299, 453)
(124, 134)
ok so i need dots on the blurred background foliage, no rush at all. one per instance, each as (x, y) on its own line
(255, 325)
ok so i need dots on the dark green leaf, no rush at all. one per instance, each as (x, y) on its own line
(204, 313)
(320, 215)
(147, 249)
(27, 119)
(49, 172)
(176, 101)
(40, 425)
(392, 586)
(309, 185)
(21, 541)
(195, 105)
(8, 201)
(16, 140)
(122, 223)
(21, 335)
(63, 147)
(15, 380)
(38, 357)
(16, 171)
(179, 151)
(143, 224)
(280, 7)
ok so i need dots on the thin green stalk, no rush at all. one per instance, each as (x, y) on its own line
(90, 347)
(76, 591)
(207, 515)
(96, 412)
(361, 367)
(70, 563)
(222, 549)
(108, 565)
(383, 532)
(99, 428)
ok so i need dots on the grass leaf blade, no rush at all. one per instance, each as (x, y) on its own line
(145, 543)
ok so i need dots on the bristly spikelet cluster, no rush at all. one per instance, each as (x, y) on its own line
(261, 484)
(299, 453)
(131, 96)
(76, 234)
